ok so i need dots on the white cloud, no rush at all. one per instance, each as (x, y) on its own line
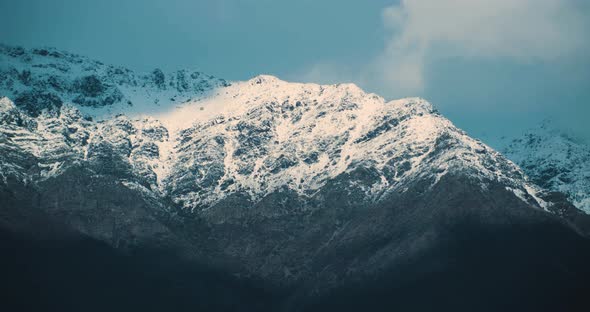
(422, 31)
(325, 73)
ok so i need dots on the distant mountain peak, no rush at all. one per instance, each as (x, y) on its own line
(555, 160)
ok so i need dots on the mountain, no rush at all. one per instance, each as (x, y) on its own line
(554, 160)
(276, 195)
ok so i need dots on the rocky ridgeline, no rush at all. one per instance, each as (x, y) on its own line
(42, 79)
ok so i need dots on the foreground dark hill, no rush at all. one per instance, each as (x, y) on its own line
(532, 262)
(540, 266)
(125, 191)
(86, 275)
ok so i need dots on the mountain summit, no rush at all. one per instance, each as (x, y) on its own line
(312, 190)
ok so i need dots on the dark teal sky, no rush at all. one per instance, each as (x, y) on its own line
(492, 67)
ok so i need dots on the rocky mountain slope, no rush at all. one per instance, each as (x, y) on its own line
(555, 161)
(312, 189)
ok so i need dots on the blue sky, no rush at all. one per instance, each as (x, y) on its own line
(494, 67)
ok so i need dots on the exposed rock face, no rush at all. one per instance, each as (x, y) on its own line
(312, 189)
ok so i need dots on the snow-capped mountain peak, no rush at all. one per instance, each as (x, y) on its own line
(199, 140)
(307, 188)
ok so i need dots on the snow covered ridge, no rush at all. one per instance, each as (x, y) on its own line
(46, 78)
(197, 139)
(554, 160)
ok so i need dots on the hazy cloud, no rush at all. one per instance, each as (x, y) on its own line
(422, 31)
(325, 73)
